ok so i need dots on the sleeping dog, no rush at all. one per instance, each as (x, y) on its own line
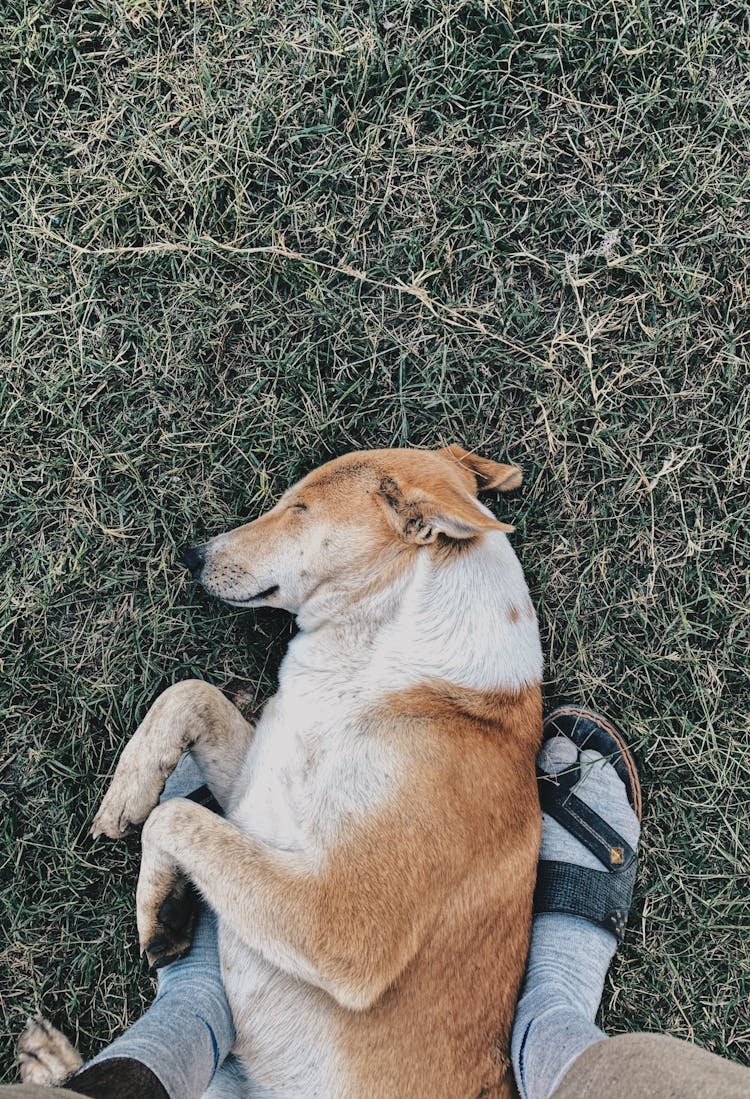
(374, 870)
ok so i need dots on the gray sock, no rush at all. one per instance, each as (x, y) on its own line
(230, 1081)
(188, 1031)
(568, 956)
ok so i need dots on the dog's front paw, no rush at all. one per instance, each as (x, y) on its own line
(45, 1056)
(133, 793)
(166, 901)
(166, 931)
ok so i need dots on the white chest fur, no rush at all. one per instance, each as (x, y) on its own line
(312, 766)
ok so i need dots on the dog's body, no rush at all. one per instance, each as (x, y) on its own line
(374, 876)
(405, 795)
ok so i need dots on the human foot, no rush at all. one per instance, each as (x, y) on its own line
(591, 804)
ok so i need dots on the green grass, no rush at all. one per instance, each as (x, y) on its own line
(239, 239)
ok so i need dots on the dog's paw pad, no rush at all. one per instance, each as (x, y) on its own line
(179, 908)
(162, 950)
(45, 1056)
(173, 933)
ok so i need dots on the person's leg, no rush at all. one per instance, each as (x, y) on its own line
(568, 955)
(586, 870)
(230, 1081)
(188, 1030)
(652, 1066)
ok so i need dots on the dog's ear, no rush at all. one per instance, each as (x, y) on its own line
(489, 474)
(419, 518)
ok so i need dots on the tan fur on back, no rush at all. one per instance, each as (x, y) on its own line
(443, 1030)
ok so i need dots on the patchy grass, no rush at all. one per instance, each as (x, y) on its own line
(240, 239)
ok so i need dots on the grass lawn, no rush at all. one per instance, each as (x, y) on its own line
(241, 238)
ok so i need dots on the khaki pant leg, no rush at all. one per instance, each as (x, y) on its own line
(34, 1091)
(652, 1066)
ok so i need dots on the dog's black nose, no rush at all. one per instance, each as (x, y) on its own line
(193, 558)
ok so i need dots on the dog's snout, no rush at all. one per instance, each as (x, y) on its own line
(193, 558)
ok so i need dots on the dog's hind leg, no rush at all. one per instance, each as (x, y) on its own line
(191, 716)
(45, 1055)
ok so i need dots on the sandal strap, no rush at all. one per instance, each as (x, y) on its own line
(581, 821)
(203, 796)
(603, 899)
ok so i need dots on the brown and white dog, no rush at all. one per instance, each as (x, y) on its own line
(373, 877)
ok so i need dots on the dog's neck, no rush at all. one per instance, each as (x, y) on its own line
(466, 619)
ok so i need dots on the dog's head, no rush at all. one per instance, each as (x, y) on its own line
(350, 522)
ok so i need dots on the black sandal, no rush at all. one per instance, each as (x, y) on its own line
(603, 899)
